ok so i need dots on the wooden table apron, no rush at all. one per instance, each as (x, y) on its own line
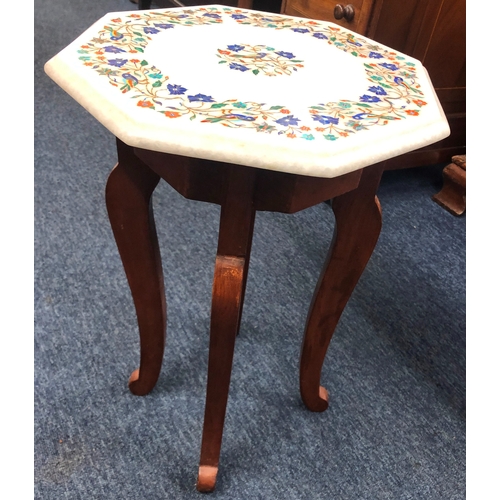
(240, 191)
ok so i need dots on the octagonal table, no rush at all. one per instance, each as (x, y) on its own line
(251, 111)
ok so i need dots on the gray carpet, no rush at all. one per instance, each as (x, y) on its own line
(395, 428)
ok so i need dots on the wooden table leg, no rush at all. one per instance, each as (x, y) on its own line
(231, 266)
(358, 225)
(128, 200)
(245, 269)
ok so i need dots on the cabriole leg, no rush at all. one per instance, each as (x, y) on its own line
(128, 200)
(357, 228)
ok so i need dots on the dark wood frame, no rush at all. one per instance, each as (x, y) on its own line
(240, 191)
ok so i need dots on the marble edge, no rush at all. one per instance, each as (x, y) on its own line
(218, 146)
(293, 158)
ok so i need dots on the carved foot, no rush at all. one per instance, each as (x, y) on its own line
(135, 386)
(207, 477)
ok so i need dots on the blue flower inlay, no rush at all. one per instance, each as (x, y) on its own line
(390, 66)
(369, 98)
(288, 55)
(238, 67)
(201, 98)
(113, 49)
(117, 62)
(176, 89)
(164, 26)
(288, 120)
(377, 90)
(326, 120)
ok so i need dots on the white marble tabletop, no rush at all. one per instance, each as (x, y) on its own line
(252, 88)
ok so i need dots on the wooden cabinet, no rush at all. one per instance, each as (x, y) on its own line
(432, 31)
(353, 15)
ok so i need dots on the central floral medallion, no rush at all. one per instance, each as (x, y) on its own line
(117, 53)
(259, 59)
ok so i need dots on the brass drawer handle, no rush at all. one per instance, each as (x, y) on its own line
(346, 12)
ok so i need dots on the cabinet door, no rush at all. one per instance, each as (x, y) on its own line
(324, 10)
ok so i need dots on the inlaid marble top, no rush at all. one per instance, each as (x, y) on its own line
(252, 88)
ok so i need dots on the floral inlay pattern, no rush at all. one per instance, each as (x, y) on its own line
(393, 92)
(259, 59)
